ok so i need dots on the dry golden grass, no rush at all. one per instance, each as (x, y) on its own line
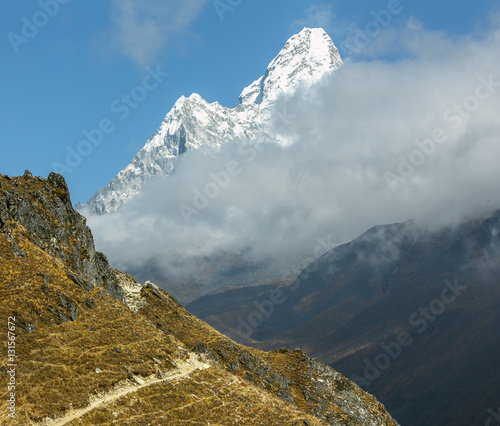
(211, 396)
(57, 362)
(62, 363)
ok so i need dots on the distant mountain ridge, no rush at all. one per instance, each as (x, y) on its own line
(411, 314)
(194, 124)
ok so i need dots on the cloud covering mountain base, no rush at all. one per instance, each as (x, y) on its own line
(373, 142)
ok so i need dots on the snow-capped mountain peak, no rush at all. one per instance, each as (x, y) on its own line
(305, 58)
(193, 123)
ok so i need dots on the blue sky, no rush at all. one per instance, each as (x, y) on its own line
(66, 78)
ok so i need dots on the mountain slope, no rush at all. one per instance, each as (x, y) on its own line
(92, 346)
(194, 124)
(410, 314)
(305, 58)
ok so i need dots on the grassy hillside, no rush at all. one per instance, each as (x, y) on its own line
(94, 347)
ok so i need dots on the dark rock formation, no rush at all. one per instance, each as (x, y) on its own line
(43, 207)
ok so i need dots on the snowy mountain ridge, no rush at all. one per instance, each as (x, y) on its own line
(193, 123)
(305, 58)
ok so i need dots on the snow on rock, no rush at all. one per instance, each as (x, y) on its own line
(306, 57)
(193, 123)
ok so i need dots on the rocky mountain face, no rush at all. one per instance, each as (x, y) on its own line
(194, 124)
(410, 314)
(305, 58)
(54, 226)
(93, 346)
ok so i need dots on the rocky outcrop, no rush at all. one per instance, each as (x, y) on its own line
(43, 207)
(324, 390)
(131, 291)
(236, 359)
(291, 376)
(302, 381)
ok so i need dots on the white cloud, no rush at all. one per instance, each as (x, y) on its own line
(318, 15)
(357, 125)
(142, 29)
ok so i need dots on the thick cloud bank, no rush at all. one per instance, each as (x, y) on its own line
(376, 142)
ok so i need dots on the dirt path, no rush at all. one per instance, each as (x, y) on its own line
(184, 369)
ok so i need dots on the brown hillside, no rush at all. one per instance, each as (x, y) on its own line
(92, 346)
